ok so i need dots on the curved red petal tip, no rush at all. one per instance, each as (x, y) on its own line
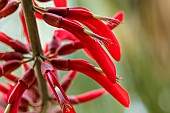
(60, 3)
(90, 95)
(119, 16)
(125, 100)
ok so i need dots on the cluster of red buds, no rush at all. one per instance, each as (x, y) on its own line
(22, 94)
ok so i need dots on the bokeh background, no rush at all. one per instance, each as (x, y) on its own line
(144, 36)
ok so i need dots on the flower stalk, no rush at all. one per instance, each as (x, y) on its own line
(36, 48)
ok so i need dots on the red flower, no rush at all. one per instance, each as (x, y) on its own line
(48, 72)
(88, 69)
(15, 94)
(13, 43)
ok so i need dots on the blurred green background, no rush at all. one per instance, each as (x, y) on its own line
(145, 40)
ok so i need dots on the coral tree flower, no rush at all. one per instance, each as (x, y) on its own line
(15, 94)
(88, 69)
(48, 72)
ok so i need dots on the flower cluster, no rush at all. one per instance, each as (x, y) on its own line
(25, 94)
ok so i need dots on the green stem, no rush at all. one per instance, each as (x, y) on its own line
(36, 48)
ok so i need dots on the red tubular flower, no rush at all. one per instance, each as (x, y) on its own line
(68, 79)
(85, 67)
(97, 26)
(69, 47)
(11, 56)
(48, 72)
(93, 46)
(13, 43)
(3, 3)
(88, 96)
(60, 3)
(112, 24)
(10, 8)
(21, 15)
(9, 66)
(15, 94)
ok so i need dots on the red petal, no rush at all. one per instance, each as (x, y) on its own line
(11, 56)
(69, 48)
(9, 66)
(88, 96)
(60, 3)
(13, 43)
(3, 89)
(68, 79)
(53, 45)
(21, 15)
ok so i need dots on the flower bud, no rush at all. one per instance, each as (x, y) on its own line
(11, 56)
(10, 8)
(13, 43)
(9, 66)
